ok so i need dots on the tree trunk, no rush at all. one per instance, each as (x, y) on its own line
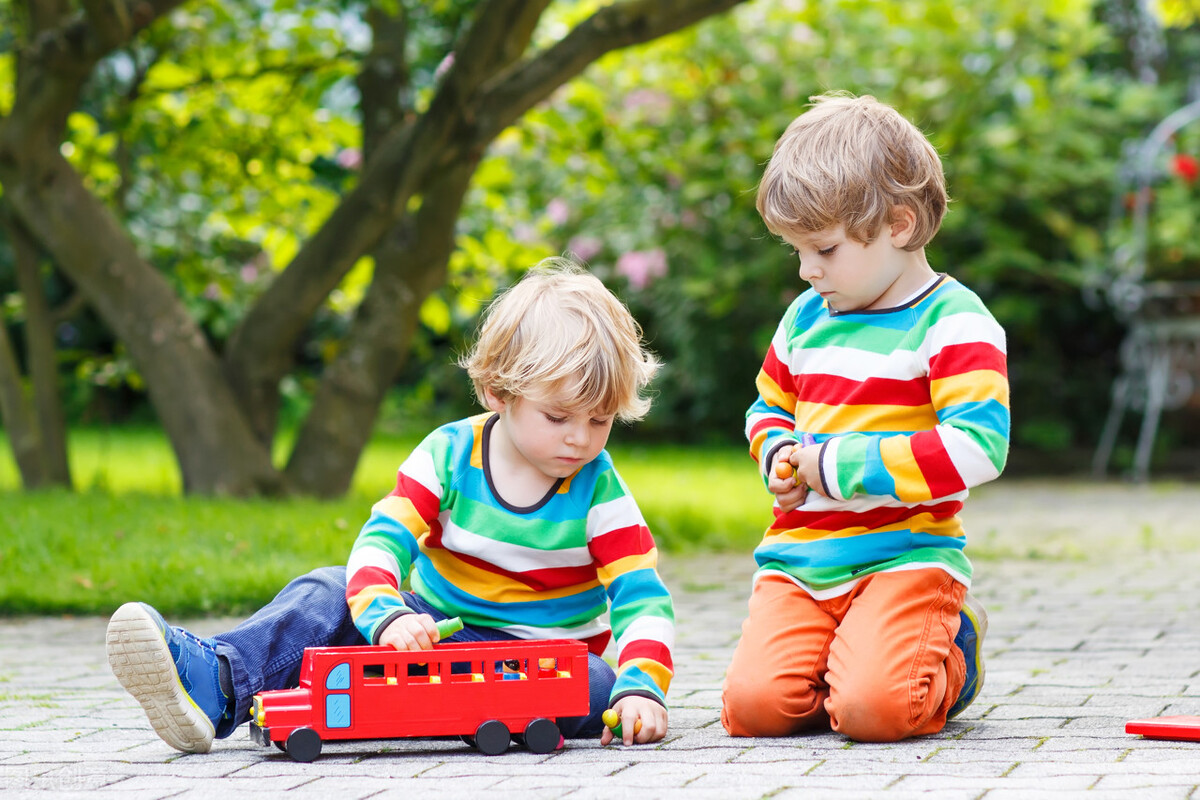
(216, 451)
(20, 421)
(408, 268)
(42, 361)
(221, 417)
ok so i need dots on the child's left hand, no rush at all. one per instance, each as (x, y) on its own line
(632, 708)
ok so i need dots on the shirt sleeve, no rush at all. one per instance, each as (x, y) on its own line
(771, 419)
(386, 547)
(965, 354)
(640, 608)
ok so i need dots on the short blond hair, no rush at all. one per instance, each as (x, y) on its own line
(849, 161)
(560, 332)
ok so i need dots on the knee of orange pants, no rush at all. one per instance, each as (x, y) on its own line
(880, 711)
(764, 707)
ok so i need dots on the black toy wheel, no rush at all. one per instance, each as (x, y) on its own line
(542, 736)
(304, 744)
(492, 737)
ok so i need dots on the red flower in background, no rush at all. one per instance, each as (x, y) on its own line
(1186, 167)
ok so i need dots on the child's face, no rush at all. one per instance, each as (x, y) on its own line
(544, 435)
(853, 276)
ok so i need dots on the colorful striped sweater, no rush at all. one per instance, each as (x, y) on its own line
(910, 408)
(551, 570)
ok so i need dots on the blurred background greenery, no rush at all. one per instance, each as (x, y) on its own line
(644, 166)
(222, 138)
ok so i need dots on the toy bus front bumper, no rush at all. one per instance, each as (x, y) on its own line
(260, 735)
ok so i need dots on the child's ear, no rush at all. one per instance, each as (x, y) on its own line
(494, 403)
(902, 226)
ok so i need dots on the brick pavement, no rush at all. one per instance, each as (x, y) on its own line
(1092, 592)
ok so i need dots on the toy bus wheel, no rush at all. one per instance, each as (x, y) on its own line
(542, 736)
(492, 737)
(304, 744)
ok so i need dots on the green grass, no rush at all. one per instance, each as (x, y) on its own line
(127, 534)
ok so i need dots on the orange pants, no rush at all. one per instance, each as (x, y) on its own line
(877, 664)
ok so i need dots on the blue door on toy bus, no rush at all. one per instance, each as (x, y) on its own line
(337, 697)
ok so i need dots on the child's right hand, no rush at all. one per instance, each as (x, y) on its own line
(782, 481)
(791, 466)
(410, 632)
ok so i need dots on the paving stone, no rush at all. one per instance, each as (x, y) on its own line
(1092, 624)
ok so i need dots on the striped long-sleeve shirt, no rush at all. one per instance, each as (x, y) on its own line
(910, 408)
(551, 570)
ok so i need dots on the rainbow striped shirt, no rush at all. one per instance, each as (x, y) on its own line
(551, 570)
(910, 408)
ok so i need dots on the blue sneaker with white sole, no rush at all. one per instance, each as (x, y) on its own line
(973, 625)
(173, 674)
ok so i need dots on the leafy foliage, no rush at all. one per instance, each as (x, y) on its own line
(225, 136)
(648, 171)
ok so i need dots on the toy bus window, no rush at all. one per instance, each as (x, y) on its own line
(425, 673)
(337, 711)
(379, 673)
(513, 669)
(548, 668)
(466, 672)
(338, 678)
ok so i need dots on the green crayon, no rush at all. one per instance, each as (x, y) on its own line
(448, 627)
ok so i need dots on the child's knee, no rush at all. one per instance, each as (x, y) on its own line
(872, 713)
(768, 708)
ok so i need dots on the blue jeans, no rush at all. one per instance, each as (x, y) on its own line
(265, 651)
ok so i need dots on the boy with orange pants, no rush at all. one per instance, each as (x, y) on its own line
(859, 619)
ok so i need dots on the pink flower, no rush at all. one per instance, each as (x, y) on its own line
(641, 267)
(557, 211)
(585, 247)
(444, 67)
(350, 158)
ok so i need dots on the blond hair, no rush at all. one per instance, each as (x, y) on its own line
(849, 161)
(559, 332)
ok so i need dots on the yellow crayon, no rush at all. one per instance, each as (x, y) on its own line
(613, 721)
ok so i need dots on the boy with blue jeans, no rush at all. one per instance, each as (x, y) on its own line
(883, 397)
(514, 520)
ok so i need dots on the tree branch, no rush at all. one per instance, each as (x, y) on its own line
(259, 352)
(467, 112)
(383, 78)
(110, 21)
(509, 95)
(498, 37)
(55, 65)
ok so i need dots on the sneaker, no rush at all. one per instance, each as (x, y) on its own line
(973, 624)
(173, 674)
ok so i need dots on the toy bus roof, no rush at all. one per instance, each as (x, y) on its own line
(461, 650)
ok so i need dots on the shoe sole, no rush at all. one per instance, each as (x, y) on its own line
(140, 659)
(978, 616)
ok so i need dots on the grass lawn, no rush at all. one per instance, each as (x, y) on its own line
(127, 534)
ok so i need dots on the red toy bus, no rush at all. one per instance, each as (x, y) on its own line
(485, 692)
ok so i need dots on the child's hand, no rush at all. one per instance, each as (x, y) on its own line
(631, 710)
(410, 632)
(794, 471)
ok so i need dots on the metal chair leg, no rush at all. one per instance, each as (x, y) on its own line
(1157, 374)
